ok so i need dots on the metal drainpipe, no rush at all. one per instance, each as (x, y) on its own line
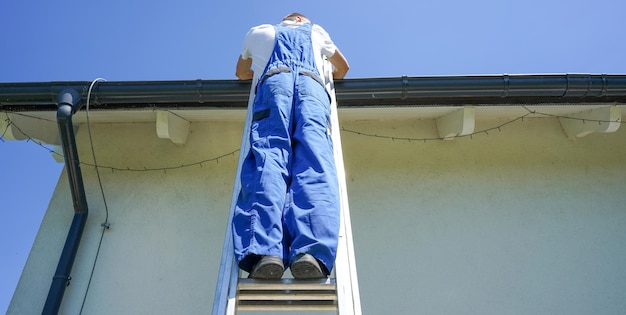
(68, 103)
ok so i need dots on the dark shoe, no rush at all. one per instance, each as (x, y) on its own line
(268, 268)
(306, 267)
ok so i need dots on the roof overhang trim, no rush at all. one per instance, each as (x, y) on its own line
(369, 92)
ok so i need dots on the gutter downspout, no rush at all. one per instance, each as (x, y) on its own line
(68, 103)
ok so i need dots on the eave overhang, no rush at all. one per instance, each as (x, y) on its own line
(454, 101)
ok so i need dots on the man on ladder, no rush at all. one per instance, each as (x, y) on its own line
(287, 212)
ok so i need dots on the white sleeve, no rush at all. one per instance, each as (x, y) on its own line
(321, 38)
(257, 38)
(245, 51)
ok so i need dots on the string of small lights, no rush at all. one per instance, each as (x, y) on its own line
(216, 159)
(484, 131)
(409, 139)
(10, 123)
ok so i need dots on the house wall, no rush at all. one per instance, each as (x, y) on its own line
(521, 220)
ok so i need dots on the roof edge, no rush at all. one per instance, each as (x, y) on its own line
(386, 91)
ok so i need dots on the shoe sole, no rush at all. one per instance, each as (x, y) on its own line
(267, 270)
(307, 269)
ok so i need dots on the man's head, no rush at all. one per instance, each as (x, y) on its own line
(297, 17)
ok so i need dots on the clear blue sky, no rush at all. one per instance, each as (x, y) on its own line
(128, 40)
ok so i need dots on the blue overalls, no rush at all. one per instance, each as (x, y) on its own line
(289, 200)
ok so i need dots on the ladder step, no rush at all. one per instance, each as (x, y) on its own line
(287, 295)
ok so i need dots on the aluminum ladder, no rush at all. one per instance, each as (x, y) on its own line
(338, 293)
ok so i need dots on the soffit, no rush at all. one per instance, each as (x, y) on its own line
(212, 114)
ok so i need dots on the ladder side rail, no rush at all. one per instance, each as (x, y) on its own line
(225, 291)
(346, 274)
(231, 304)
(347, 282)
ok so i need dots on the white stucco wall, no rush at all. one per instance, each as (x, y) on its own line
(520, 221)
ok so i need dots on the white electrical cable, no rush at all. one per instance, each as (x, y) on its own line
(93, 153)
(104, 225)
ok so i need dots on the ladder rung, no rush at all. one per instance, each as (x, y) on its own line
(287, 308)
(287, 295)
(286, 284)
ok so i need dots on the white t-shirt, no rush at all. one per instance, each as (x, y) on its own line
(259, 44)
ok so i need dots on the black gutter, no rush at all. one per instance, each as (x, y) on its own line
(491, 89)
(400, 91)
(68, 103)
